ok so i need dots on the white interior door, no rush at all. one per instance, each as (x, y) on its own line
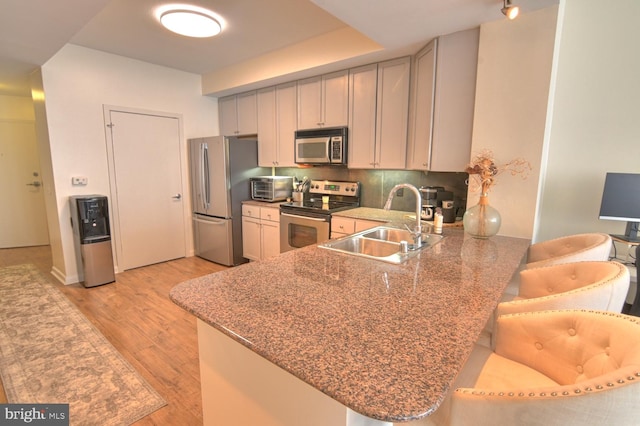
(23, 219)
(148, 204)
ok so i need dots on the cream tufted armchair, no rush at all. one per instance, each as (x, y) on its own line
(577, 285)
(569, 367)
(572, 248)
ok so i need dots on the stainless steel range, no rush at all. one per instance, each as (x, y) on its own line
(308, 222)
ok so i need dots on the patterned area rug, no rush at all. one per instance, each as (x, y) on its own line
(51, 353)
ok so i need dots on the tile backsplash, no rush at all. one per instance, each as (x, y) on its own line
(376, 184)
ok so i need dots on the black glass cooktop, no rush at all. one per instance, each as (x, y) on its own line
(316, 205)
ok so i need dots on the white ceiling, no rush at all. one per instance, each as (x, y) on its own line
(32, 31)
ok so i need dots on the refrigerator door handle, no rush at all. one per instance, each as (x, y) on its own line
(204, 158)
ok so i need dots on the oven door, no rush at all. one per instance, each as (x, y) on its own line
(301, 231)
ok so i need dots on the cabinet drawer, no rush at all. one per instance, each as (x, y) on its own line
(343, 225)
(251, 211)
(271, 214)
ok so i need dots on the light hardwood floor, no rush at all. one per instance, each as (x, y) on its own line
(136, 315)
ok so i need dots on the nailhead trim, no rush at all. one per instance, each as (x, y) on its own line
(576, 391)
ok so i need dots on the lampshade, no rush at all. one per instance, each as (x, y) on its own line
(190, 23)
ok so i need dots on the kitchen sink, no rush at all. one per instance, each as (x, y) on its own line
(381, 243)
(366, 247)
(390, 234)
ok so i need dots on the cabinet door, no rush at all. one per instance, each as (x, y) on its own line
(247, 114)
(422, 107)
(310, 103)
(392, 113)
(228, 116)
(286, 113)
(251, 238)
(457, 63)
(335, 99)
(267, 128)
(270, 239)
(362, 116)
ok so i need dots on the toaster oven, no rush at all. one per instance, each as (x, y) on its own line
(271, 188)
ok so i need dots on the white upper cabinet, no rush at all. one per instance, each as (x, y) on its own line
(323, 101)
(276, 125)
(363, 83)
(443, 98)
(378, 115)
(267, 128)
(238, 114)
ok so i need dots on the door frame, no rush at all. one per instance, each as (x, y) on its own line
(113, 199)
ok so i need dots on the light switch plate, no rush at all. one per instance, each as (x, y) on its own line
(79, 180)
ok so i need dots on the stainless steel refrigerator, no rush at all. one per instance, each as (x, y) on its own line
(220, 171)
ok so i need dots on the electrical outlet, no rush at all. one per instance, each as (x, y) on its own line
(79, 180)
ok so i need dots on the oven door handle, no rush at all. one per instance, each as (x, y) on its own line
(304, 217)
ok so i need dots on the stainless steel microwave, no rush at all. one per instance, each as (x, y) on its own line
(321, 146)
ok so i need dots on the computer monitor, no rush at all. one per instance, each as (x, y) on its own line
(621, 201)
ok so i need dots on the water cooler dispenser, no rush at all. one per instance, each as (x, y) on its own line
(92, 237)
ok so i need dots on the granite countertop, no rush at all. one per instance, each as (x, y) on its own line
(384, 340)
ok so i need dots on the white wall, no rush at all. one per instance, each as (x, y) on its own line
(514, 71)
(77, 83)
(594, 124)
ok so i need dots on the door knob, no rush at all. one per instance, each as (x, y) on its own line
(177, 197)
(34, 183)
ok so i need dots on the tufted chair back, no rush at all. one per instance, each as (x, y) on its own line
(578, 285)
(568, 367)
(572, 248)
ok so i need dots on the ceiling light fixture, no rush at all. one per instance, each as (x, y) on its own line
(191, 23)
(510, 11)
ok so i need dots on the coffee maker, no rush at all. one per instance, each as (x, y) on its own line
(429, 201)
(434, 197)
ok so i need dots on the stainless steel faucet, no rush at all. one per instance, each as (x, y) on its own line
(416, 233)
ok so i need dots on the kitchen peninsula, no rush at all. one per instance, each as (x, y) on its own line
(317, 337)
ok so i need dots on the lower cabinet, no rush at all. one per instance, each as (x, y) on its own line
(260, 232)
(341, 226)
